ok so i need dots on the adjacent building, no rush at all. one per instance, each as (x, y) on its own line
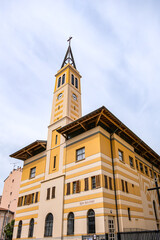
(90, 177)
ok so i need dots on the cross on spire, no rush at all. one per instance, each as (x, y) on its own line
(69, 56)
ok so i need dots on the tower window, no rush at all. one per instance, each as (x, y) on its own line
(32, 172)
(63, 79)
(59, 82)
(54, 163)
(129, 214)
(56, 139)
(59, 96)
(76, 82)
(72, 80)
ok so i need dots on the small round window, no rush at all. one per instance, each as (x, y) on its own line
(74, 96)
(59, 96)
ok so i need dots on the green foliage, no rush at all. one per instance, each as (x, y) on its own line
(8, 230)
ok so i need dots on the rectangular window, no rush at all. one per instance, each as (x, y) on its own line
(105, 182)
(74, 187)
(141, 167)
(48, 194)
(122, 182)
(110, 183)
(129, 214)
(32, 172)
(126, 184)
(131, 161)
(151, 173)
(36, 197)
(56, 139)
(68, 189)
(146, 170)
(54, 163)
(86, 184)
(93, 182)
(80, 154)
(53, 192)
(120, 153)
(137, 165)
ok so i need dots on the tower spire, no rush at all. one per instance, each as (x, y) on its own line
(69, 56)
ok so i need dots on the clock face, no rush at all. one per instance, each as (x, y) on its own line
(74, 96)
(59, 96)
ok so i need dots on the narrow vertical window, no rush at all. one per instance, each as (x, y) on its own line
(48, 193)
(54, 162)
(56, 139)
(59, 82)
(19, 229)
(70, 224)
(126, 186)
(151, 173)
(36, 197)
(25, 200)
(76, 82)
(78, 187)
(86, 184)
(155, 211)
(48, 225)
(141, 167)
(146, 170)
(93, 182)
(137, 165)
(63, 79)
(80, 154)
(120, 153)
(129, 214)
(91, 221)
(110, 183)
(31, 228)
(74, 187)
(105, 181)
(72, 80)
(53, 192)
(131, 161)
(32, 172)
(32, 199)
(122, 182)
(68, 189)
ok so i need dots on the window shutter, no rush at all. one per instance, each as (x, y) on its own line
(86, 184)
(68, 188)
(78, 186)
(98, 185)
(105, 181)
(36, 198)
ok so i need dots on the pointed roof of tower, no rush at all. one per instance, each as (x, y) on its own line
(69, 56)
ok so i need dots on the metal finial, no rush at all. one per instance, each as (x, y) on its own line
(69, 40)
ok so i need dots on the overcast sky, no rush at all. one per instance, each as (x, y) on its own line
(116, 47)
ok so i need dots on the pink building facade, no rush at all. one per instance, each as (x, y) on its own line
(11, 190)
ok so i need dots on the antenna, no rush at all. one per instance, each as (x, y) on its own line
(14, 165)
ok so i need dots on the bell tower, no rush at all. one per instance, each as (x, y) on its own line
(67, 91)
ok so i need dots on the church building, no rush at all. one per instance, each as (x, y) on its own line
(90, 178)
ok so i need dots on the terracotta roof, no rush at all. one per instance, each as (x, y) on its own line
(30, 150)
(104, 118)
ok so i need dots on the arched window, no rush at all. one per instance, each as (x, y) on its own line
(70, 224)
(19, 229)
(59, 82)
(63, 79)
(91, 221)
(48, 225)
(31, 228)
(76, 82)
(72, 79)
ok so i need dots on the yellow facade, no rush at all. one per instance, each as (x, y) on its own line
(85, 167)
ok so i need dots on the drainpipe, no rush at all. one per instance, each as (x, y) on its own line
(114, 181)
